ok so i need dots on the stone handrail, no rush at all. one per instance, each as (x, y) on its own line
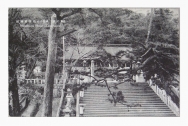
(165, 98)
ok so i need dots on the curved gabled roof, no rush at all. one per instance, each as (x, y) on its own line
(93, 52)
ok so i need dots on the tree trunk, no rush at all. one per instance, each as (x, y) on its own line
(15, 98)
(149, 27)
(50, 69)
(13, 89)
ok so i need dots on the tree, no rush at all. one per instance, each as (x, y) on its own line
(24, 49)
(16, 57)
(104, 26)
(161, 52)
(49, 76)
(50, 67)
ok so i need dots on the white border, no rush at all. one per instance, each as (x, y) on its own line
(156, 121)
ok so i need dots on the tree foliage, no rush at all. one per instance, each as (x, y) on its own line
(161, 53)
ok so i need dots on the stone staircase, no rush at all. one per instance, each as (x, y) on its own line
(97, 105)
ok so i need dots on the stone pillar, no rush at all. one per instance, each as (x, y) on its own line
(92, 69)
(81, 109)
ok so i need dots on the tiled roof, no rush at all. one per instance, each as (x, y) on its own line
(74, 52)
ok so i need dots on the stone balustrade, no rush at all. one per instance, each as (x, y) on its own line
(165, 98)
(42, 81)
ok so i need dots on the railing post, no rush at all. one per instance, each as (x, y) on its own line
(156, 89)
(169, 101)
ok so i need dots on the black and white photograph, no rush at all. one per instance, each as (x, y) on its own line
(94, 62)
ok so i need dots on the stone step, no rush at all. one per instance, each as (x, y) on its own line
(97, 96)
(126, 91)
(127, 112)
(120, 105)
(129, 115)
(126, 103)
(106, 101)
(97, 105)
(125, 96)
(100, 106)
(131, 93)
(153, 101)
(157, 115)
(123, 91)
(119, 87)
(125, 107)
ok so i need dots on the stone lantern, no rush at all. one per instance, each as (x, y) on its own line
(68, 106)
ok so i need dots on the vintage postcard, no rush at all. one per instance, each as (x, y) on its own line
(94, 62)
